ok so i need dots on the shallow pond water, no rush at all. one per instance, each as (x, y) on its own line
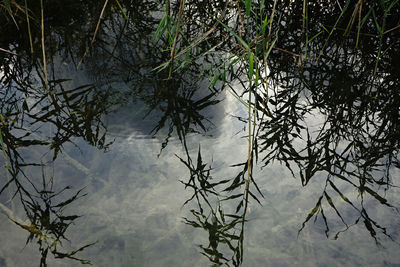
(108, 161)
(134, 207)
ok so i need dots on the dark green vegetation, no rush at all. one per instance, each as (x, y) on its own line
(337, 61)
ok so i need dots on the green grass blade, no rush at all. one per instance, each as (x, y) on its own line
(324, 27)
(235, 34)
(248, 8)
(29, 26)
(334, 27)
(376, 22)
(270, 47)
(264, 26)
(366, 17)
(391, 6)
(251, 66)
(122, 10)
(315, 36)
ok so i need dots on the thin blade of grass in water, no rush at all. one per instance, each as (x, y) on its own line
(264, 26)
(6, 166)
(246, 46)
(251, 69)
(7, 51)
(196, 42)
(381, 30)
(248, 8)
(305, 26)
(359, 25)
(43, 49)
(3, 148)
(8, 8)
(333, 28)
(270, 25)
(176, 38)
(122, 10)
(29, 26)
(168, 9)
(95, 32)
(353, 17)
(304, 16)
(99, 21)
(251, 66)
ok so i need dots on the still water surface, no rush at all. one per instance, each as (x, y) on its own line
(133, 207)
(116, 130)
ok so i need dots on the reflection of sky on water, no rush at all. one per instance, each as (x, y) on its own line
(134, 204)
(137, 212)
(134, 208)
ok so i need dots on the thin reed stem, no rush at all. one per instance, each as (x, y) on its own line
(359, 24)
(46, 81)
(95, 32)
(29, 26)
(168, 16)
(176, 38)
